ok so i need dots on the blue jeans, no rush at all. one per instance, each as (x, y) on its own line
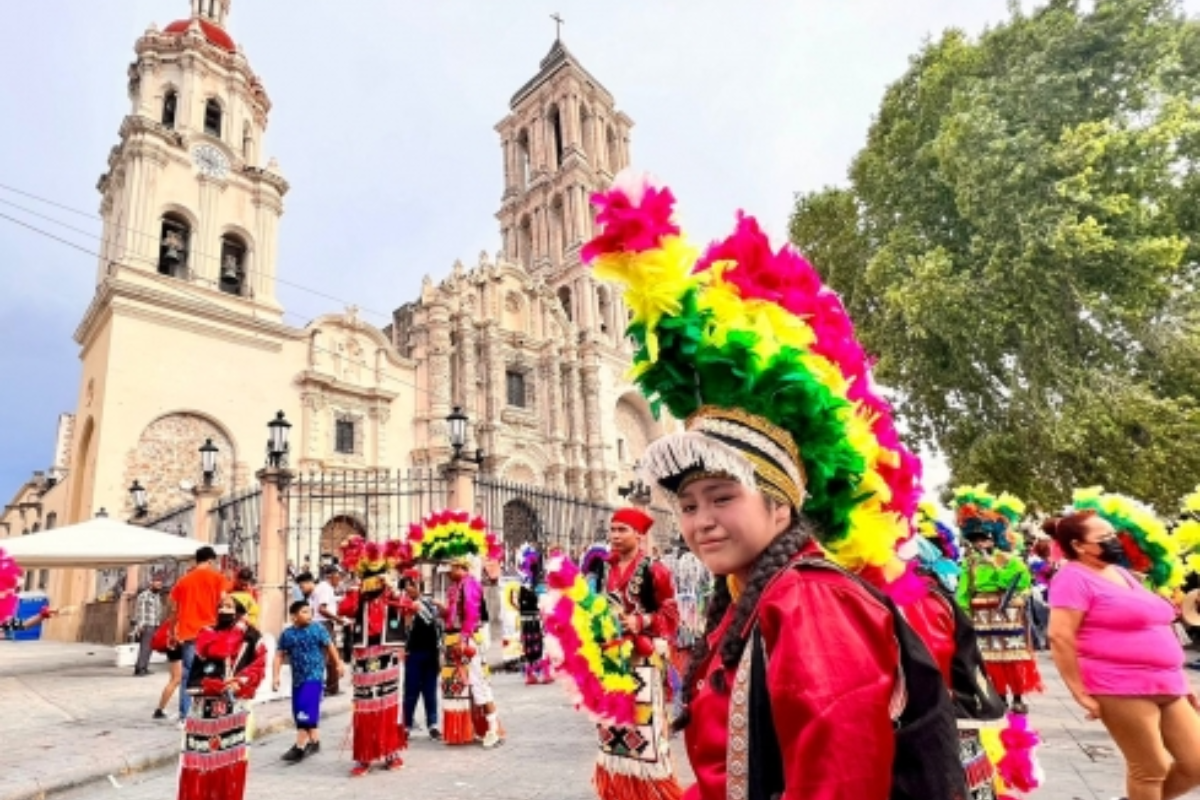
(421, 681)
(185, 699)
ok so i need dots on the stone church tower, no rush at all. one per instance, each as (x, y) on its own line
(529, 344)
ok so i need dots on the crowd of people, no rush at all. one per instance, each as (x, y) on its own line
(834, 637)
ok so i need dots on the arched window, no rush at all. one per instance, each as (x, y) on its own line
(564, 297)
(173, 246)
(554, 120)
(614, 153)
(233, 265)
(170, 104)
(523, 158)
(51, 520)
(212, 118)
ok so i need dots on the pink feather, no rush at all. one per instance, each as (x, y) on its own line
(10, 584)
(1017, 768)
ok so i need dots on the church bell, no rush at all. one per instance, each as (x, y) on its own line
(231, 273)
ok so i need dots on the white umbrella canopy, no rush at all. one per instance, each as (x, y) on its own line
(100, 543)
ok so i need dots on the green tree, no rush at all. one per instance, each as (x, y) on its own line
(1019, 245)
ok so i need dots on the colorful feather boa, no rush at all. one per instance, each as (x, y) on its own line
(1013, 750)
(583, 640)
(10, 584)
(1187, 532)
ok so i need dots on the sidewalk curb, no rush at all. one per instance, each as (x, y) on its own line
(125, 766)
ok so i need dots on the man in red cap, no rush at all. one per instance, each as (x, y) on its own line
(635, 761)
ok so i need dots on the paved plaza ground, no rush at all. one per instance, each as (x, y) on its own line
(69, 720)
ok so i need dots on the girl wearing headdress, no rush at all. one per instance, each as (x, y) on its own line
(994, 587)
(229, 665)
(377, 609)
(794, 688)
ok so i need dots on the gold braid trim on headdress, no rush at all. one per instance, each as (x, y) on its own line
(730, 443)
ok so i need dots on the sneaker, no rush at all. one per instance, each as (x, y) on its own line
(311, 749)
(295, 755)
(393, 764)
(158, 714)
(1019, 707)
(490, 740)
(360, 769)
(435, 734)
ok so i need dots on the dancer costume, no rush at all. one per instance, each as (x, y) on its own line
(635, 760)
(216, 740)
(536, 665)
(994, 591)
(760, 359)
(460, 539)
(378, 611)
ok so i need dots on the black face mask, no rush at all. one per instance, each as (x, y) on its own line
(225, 620)
(1111, 551)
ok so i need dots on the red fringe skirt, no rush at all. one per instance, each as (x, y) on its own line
(215, 757)
(378, 732)
(1006, 645)
(634, 762)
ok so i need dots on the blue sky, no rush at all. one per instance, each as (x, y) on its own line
(383, 124)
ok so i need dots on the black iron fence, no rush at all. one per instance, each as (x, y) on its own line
(324, 509)
(234, 521)
(519, 513)
(178, 521)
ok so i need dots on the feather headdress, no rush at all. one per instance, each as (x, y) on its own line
(1187, 532)
(372, 560)
(1149, 550)
(978, 512)
(760, 357)
(10, 584)
(529, 563)
(447, 535)
(937, 532)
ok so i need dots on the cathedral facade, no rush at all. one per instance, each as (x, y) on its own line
(529, 345)
(185, 342)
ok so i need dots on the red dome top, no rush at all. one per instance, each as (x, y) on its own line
(215, 35)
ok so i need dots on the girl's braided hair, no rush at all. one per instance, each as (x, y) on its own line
(774, 558)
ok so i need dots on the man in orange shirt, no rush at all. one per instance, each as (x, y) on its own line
(196, 597)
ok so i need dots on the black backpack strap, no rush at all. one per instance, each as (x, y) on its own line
(926, 765)
(765, 777)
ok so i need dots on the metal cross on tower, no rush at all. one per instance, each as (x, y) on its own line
(558, 23)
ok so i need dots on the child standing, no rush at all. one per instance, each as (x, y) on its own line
(307, 647)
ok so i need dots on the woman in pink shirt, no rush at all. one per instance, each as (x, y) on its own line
(1113, 645)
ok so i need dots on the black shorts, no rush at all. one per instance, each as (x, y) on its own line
(175, 655)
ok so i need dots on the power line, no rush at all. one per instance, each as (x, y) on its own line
(179, 286)
(155, 237)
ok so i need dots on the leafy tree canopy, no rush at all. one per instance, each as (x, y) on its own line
(1019, 242)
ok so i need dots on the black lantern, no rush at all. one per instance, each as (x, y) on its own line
(208, 461)
(458, 430)
(102, 513)
(457, 421)
(277, 440)
(635, 491)
(138, 493)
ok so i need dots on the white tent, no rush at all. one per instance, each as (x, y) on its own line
(100, 543)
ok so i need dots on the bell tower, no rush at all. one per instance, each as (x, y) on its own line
(185, 196)
(562, 140)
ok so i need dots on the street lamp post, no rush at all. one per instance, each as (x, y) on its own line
(208, 461)
(277, 441)
(138, 494)
(635, 491)
(457, 422)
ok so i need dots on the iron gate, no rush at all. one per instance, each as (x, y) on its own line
(326, 508)
(234, 521)
(519, 513)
